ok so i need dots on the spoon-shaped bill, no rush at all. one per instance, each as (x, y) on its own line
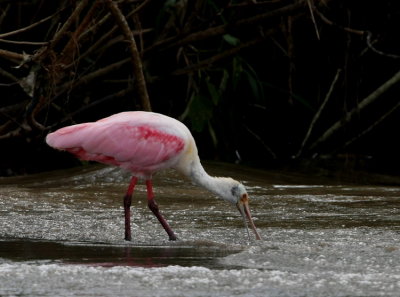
(243, 206)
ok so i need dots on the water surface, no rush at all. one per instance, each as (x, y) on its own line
(61, 234)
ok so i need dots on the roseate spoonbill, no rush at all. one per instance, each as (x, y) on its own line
(144, 143)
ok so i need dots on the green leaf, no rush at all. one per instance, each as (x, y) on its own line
(232, 40)
(212, 134)
(215, 95)
(254, 82)
(200, 112)
(237, 71)
(224, 81)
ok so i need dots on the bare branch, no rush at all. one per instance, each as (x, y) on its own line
(15, 57)
(69, 50)
(331, 23)
(135, 56)
(78, 9)
(138, 8)
(21, 30)
(311, 8)
(371, 47)
(371, 127)
(14, 133)
(318, 113)
(8, 75)
(97, 102)
(210, 61)
(266, 147)
(41, 43)
(368, 35)
(93, 75)
(364, 103)
(177, 41)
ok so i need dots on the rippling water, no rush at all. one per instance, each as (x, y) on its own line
(61, 234)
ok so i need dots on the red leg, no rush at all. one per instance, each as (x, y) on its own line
(127, 207)
(154, 208)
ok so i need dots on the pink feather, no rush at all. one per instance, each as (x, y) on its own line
(139, 142)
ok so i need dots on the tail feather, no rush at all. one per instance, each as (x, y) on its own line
(68, 137)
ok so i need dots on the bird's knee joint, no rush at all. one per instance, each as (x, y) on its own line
(152, 205)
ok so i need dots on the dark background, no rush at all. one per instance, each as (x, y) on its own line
(247, 77)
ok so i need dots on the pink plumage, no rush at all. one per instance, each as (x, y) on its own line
(144, 143)
(140, 142)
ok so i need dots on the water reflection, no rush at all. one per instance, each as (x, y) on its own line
(113, 255)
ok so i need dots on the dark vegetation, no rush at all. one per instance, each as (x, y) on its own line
(264, 82)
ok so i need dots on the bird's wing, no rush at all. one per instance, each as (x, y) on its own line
(118, 143)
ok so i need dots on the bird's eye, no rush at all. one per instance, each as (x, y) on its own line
(235, 190)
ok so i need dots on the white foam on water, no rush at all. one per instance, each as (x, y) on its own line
(34, 279)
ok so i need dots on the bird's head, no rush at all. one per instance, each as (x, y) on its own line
(236, 193)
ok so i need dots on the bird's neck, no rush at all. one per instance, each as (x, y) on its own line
(199, 176)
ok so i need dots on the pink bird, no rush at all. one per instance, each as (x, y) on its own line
(144, 143)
